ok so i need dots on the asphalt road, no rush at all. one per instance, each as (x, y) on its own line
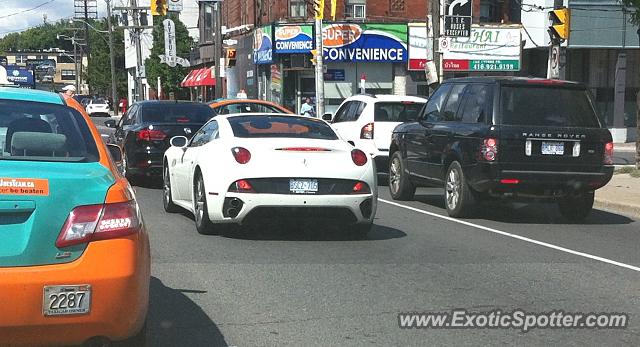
(273, 287)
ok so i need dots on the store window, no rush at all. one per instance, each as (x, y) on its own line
(68, 75)
(207, 23)
(297, 8)
(21, 59)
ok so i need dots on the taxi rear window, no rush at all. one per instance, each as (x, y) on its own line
(32, 131)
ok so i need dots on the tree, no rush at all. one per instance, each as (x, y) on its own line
(634, 5)
(98, 73)
(38, 38)
(170, 77)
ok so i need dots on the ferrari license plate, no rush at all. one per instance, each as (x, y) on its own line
(66, 300)
(553, 148)
(302, 186)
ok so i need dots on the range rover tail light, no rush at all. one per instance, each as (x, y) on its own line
(608, 154)
(489, 149)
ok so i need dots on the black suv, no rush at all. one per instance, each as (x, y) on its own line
(145, 130)
(504, 137)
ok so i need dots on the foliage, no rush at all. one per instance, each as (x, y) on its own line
(98, 73)
(38, 38)
(170, 77)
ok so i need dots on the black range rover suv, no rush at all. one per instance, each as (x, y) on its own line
(504, 137)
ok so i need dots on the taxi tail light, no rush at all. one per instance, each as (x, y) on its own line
(99, 222)
(241, 154)
(359, 157)
(489, 150)
(151, 135)
(367, 132)
(608, 153)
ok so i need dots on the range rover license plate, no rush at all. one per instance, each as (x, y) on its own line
(65, 300)
(302, 186)
(553, 148)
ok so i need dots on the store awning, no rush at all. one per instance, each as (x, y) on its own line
(199, 77)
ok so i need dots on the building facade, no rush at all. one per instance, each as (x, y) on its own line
(51, 69)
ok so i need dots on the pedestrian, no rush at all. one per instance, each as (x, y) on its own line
(307, 108)
(241, 94)
(69, 90)
(123, 105)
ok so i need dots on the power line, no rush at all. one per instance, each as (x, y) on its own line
(27, 10)
(31, 27)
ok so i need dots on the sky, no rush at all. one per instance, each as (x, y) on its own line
(18, 15)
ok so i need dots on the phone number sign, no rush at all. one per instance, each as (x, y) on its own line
(481, 65)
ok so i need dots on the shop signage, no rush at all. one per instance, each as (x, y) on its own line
(457, 21)
(334, 75)
(384, 43)
(293, 38)
(488, 48)
(262, 45)
(21, 76)
(420, 46)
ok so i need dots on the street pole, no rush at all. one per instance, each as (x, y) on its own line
(556, 52)
(139, 65)
(319, 70)
(114, 89)
(75, 61)
(217, 55)
(437, 58)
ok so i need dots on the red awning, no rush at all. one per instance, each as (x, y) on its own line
(199, 77)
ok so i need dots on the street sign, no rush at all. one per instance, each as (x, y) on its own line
(170, 41)
(175, 5)
(457, 20)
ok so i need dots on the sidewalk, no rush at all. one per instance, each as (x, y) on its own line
(621, 195)
(624, 147)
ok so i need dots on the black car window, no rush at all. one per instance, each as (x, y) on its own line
(167, 112)
(130, 116)
(32, 131)
(453, 103)
(477, 104)
(432, 111)
(281, 127)
(205, 134)
(538, 105)
(339, 117)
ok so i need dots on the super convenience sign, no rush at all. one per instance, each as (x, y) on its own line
(385, 43)
(294, 39)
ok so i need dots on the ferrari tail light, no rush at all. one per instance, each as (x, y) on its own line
(241, 186)
(361, 188)
(489, 149)
(99, 222)
(359, 157)
(608, 153)
(151, 135)
(367, 132)
(242, 155)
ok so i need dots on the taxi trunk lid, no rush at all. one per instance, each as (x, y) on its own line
(36, 199)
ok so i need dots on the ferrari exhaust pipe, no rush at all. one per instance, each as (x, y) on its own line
(235, 203)
(232, 212)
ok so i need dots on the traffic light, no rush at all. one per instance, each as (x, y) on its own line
(231, 57)
(560, 28)
(314, 56)
(159, 7)
(318, 9)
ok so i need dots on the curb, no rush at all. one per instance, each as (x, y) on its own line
(628, 210)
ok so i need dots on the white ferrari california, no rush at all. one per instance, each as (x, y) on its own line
(251, 168)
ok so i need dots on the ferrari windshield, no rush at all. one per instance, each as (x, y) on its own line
(281, 126)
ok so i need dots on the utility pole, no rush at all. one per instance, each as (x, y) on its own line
(319, 69)
(114, 89)
(557, 53)
(437, 54)
(217, 52)
(139, 66)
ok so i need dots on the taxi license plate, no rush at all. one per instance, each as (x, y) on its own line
(553, 148)
(66, 300)
(303, 186)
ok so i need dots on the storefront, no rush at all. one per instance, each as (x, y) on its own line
(201, 83)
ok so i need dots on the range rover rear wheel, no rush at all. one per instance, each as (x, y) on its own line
(400, 185)
(458, 196)
(577, 207)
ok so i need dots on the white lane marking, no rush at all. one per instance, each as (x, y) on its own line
(522, 238)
